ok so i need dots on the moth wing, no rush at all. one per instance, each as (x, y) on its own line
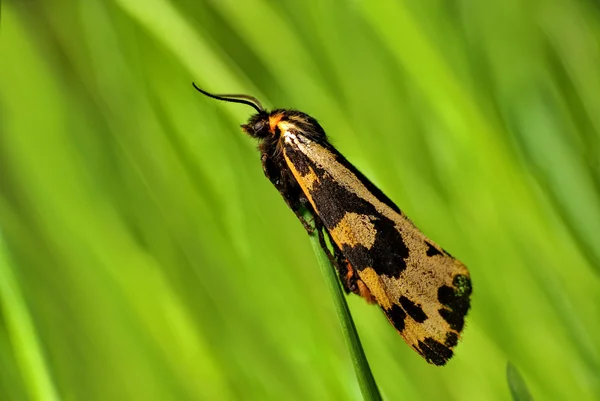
(423, 291)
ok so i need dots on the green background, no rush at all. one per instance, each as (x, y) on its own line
(144, 256)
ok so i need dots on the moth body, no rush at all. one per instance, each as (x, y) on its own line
(378, 252)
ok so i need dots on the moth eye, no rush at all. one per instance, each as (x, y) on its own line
(259, 126)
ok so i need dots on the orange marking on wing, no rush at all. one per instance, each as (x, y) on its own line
(364, 292)
(350, 272)
(302, 181)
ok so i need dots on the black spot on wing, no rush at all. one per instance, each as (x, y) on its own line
(456, 300)
(300, 161)
(463, 285)
(413, 309)
(389, 251)
(397, 317)
(431, 250)
(454, 319)
(446, 295)
(333, 201)
(451, 339)
(434, 351)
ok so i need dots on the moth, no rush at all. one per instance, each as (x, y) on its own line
(378, 252)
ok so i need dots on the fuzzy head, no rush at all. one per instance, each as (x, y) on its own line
(258, 125)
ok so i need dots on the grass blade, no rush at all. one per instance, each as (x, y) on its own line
(365, 378)
(516, 384)
(23, 335)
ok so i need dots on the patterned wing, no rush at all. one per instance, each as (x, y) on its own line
(423, 291)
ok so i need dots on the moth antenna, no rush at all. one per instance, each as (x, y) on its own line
(244, 99)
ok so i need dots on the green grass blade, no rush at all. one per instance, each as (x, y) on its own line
(22, 333)
(366, 381)
(516, 384)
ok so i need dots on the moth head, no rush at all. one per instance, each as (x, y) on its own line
(258, 125)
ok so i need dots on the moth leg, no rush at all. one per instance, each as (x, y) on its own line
(298, 207)
(350, 279)
(300, 204)
(289, 189)
(345, 271)
(337, 259)
(319, 227)
(308, 224)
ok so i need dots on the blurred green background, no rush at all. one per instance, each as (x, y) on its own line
(144, 256)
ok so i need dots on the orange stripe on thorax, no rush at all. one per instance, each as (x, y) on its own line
(274, 119)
